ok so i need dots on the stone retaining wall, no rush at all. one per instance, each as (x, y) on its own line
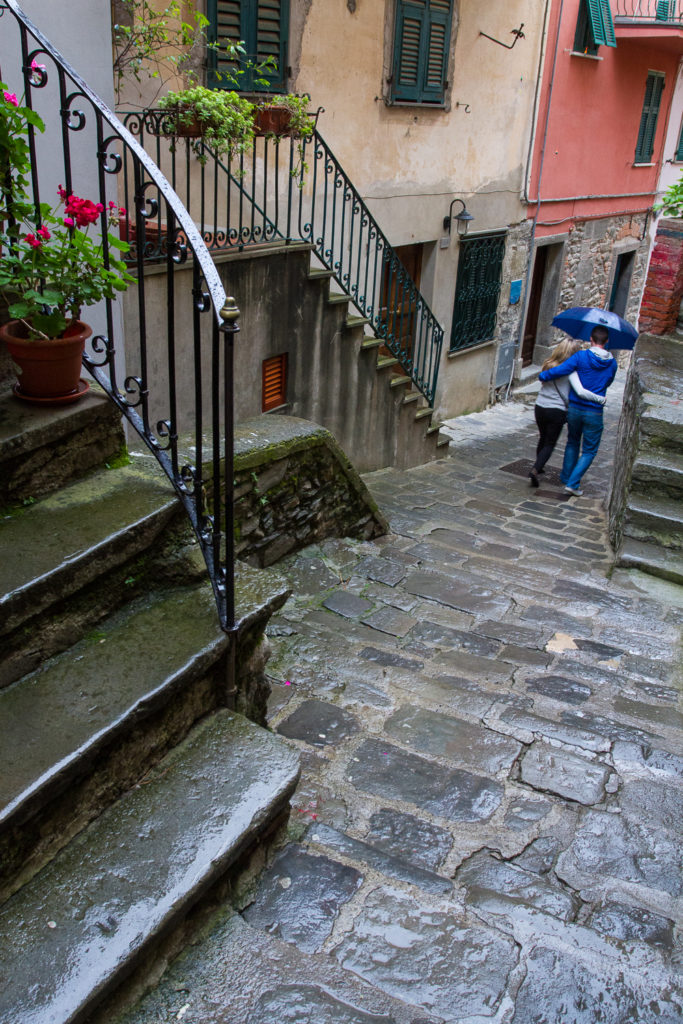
(294, 486)
(664, 286)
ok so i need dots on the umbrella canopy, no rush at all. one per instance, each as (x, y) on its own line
(579, 321)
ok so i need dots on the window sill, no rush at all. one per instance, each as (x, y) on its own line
(412, 104)
(643, 165)
(454, 353)
(586, 56)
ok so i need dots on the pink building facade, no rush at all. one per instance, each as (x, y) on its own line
(604, 103)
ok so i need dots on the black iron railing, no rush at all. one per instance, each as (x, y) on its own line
(185, 329)
(294, 190)
(655, 11)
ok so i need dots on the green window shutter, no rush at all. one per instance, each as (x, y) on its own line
(648, 118)
(262, 26)
(666, 10)
(477, 290)
(679, 149)
(421, 39)
(602, 26)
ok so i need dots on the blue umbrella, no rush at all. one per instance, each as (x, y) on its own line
(579, 321)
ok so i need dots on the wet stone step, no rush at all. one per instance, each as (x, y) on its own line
(68, 718)
(77, 929)
(62, 543)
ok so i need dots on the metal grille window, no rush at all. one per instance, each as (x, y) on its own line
(421, 39)
(262, 26)
(648, 119)
(274, 382)
(477, 290)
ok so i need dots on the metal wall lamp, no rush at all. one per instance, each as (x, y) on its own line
(463, 218)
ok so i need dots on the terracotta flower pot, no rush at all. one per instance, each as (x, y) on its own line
(47, 370)
(272, 120)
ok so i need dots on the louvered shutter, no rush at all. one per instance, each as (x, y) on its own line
(679, 149)
(421, 39)
(666, 10)
(274, 390)
(602, 26)
(648, 118)
(262, 26)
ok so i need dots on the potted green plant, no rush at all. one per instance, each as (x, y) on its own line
(50, 269)
(218, 118)
(286, 115)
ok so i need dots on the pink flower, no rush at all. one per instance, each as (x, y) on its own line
(69, 222)
(62, 193)
(11, 97)
(44, 233)
(122, 211)
(84, 211)
(35, 66)
(34, 242)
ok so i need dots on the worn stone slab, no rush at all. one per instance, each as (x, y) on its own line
(387, 863)
(451, 793)
(664, 802)
(389, 658)
(661, 716)
(450, 693)
(349, 605)
(446, 636)
(319, 723)
(409, 838)
(483, 669)
(602, 726)
(478, 600)
(560, 688)
(309, 1004)
(497, 886)
(524, 811)
(524, 656)
(551, 615)
(75, 929)
(382, 570)
(539, 856)
(358, 691)
(300, 896)
(633, 924)
(472, 746)
(557, 771)
(509, 633)
(559, 988)
(529, 725)
(391, 621)
(609, 849)
(428, 958)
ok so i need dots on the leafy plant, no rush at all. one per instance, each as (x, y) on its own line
(672, 200)
(50, 266)
(301, 125)
(225, 119)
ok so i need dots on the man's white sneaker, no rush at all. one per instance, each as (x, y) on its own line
(573, 490)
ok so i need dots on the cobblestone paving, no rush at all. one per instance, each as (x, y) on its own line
(488, 823)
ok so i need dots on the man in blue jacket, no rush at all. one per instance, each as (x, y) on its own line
(596, 369)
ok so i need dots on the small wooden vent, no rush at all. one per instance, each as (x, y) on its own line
(274, 391)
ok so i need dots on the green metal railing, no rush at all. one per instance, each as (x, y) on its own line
(659, 11)
(292, 190)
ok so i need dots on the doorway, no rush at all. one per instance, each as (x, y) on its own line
(543, 298)
(397, 298)
(622, 282)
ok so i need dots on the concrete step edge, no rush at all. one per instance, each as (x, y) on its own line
(111, 901)
(650, 558)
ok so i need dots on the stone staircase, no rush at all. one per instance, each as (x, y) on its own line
(135, 778)
(646, 507)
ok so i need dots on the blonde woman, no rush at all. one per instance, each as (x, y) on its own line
(552, 404)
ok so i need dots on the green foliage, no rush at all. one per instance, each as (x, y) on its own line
(50, 267)
(301, 124)
(226, 119)
(672, 200)
(154, 43)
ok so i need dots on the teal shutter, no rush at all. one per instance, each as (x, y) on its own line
(602, 26)
(421, 38)
(679, 149)
(477, 290)
(262, 26)
(648, 119)
(666, 10)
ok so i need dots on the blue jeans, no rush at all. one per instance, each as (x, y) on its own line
(583, 425)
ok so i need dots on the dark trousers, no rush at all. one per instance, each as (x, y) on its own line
(549, 423)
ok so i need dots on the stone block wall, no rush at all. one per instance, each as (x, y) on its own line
(664, 286)
(293, 487)
(591, 251)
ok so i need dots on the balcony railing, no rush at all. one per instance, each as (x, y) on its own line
(650, 11)
(285, 191)
(87, 149)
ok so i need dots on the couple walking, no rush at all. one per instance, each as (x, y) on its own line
(575, 382)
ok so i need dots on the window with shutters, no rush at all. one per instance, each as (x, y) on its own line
(679, 148)
(477, 290)
(594, 27)
(274, 382)
(422, 33)
(648, 119)
(262, 26)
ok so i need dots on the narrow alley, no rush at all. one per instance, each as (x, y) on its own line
(487, 826)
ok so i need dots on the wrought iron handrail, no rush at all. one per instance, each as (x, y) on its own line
(652, 11)
(295, 190)
(192, 291)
